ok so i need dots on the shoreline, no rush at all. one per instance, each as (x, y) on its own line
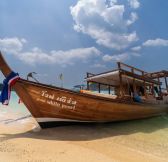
(140, 140)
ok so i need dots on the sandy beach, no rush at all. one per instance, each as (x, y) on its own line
(141, 141)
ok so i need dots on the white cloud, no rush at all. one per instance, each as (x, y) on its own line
(15, 46)
(111, 40)
(98, 65)
(156, 42)
(12, 45)
(63, 58)
(134, 3)
(137, 48)
(120, 57)
(111, 2)
(133, 18)
(104, 23)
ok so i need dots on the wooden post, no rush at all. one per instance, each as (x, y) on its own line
(160, 90)
(166, 83)
(153, 90)
(88, 87)
(134, 86)
(109, 89)
(121, 85)
(120, 79)
(99, 87)
(144, 86)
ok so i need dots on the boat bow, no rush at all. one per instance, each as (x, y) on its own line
(4, 67)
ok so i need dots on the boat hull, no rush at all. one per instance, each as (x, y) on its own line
(53, 105)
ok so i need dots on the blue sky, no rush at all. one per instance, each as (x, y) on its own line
(75, 36)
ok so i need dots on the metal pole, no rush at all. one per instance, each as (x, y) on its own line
(144, 86)
(166, 83)
(99, 87)
(160, 90)
(87, 75)
(120, 77)
(109, 89)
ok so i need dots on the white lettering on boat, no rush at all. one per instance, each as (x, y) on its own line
(58, 101)
(41, 100)
(53, 103)
(46, 95)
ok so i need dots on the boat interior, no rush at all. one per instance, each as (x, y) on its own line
(130, 83)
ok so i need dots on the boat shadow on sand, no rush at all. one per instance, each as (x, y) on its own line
(88, 131)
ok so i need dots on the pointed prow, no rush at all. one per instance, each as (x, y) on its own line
(4, 67)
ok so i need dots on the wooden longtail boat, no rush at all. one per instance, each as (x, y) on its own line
(49, 104)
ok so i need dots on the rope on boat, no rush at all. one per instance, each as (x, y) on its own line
(5, 120)
(14, 120)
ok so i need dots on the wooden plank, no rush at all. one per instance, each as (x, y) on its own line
(99, 87)
(166, 83)
(160, 89)
(157, 74)
(134, 86)
(120, 79)
(144, 87)
(153, 90)
(91, 75)
(131, 67)
(88, 85)
(109, 89)
(140, 77)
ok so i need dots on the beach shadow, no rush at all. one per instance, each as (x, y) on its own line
(91, 131)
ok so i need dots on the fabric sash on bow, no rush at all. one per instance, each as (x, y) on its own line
(6, 89)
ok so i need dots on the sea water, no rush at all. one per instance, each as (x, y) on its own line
(15, 106)
(16, 114)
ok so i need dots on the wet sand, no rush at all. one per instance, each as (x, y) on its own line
(141, 141)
